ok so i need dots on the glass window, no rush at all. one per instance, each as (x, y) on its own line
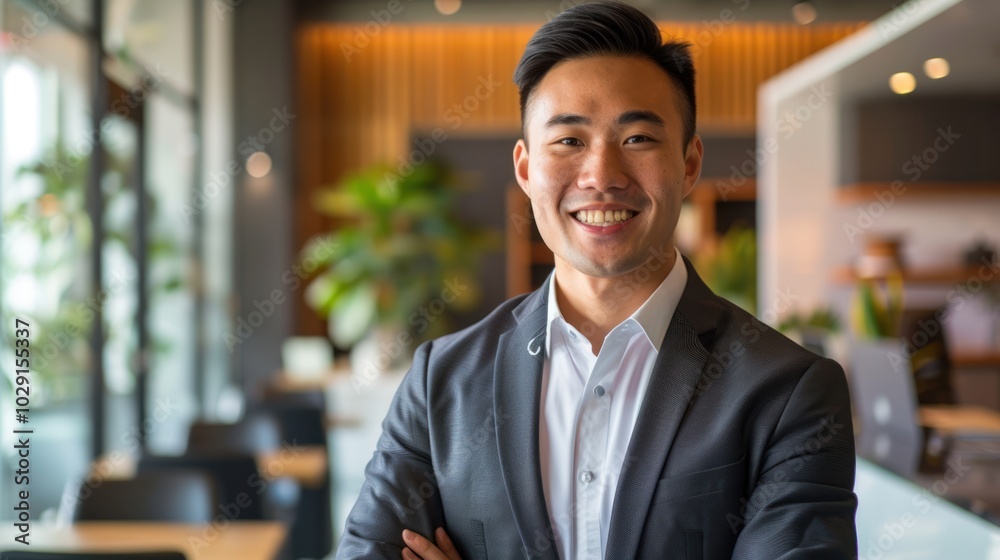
(79, 11)
(171, 145)
(154, 35)
(45, 147)
(120, 278)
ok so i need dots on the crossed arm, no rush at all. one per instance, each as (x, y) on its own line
(802, 505)
(399, 491)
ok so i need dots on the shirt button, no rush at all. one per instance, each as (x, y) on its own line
(599, 391)
(586, 477)
(572, 334)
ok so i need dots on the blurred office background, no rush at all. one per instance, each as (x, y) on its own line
(230, 213)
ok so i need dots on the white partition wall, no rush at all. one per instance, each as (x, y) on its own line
(807, 114)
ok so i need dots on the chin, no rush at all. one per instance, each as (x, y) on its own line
(604, 269)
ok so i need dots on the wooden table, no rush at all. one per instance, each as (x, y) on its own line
(306, 464)
(961, 419)
(246, 540)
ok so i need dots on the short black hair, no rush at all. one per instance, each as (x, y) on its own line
(606, 29)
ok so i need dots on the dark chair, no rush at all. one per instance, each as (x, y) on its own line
(301, 417)
(183, 496)
(254, 434)
(25, 555)
(239, 486)
(930, 362)
(314, 398)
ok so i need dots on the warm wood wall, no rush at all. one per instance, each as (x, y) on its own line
(362, 98)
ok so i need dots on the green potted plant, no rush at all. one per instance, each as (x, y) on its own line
(875, 319)
(730, 268)
(877, 307)
(397, 256)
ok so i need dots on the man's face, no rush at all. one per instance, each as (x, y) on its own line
(606, 133)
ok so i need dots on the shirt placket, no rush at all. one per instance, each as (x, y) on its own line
(592, 445)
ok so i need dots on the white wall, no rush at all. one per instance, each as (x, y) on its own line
(800, 222)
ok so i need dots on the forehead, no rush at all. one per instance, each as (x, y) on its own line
(603, 86)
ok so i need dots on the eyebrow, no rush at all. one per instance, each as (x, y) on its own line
(628, 117)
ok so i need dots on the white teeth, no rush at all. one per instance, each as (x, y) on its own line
(604, 218)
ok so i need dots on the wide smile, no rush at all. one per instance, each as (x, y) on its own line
(604, 221)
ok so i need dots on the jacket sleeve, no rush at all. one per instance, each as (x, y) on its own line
(803, 503)
(400, 490)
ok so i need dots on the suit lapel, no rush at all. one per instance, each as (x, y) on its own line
(675, 376)
(517, 389)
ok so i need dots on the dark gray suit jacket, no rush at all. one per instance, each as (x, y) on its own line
(743, 446)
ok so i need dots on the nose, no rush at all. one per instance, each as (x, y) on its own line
(603, 168)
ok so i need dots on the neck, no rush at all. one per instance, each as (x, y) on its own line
(595, 305)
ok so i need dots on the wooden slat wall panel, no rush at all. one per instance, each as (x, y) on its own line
(407, 79)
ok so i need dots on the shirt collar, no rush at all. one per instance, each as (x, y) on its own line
(653, 315)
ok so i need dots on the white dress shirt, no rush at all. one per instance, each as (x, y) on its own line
(589, 405)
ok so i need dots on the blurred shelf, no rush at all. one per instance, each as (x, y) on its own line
(949, 275)
(723, 189)
(976, 359)
(865, 192)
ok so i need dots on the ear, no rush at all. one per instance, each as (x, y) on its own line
(521, 166)
(692, 164)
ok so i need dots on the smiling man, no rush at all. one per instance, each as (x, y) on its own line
(622, 410)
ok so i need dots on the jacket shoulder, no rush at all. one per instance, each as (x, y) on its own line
(482, 334)
(756, 350)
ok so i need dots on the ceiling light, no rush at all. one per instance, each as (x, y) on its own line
(447, 7)
(258, 164)
(804, 13)
(936, 68)
(902, 82)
